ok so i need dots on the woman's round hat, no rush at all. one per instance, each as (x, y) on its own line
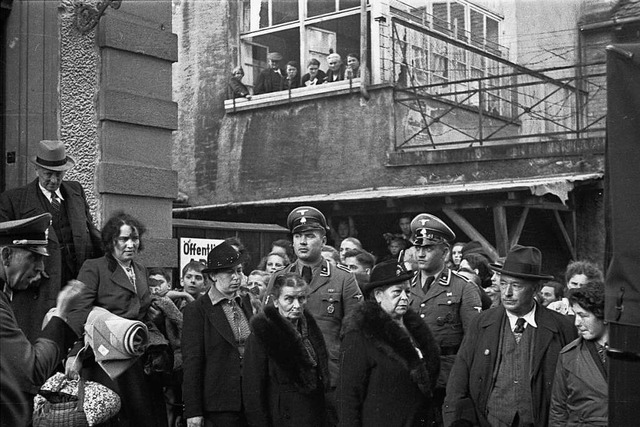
(385, 274)
(221, 257)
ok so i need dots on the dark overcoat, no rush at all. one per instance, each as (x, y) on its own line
(31, 364)
(384, 381)
(269, 81)
(333, 294)
(109, 287)
(31, 305)
(211, 359)
(280, 384)
(474, 370)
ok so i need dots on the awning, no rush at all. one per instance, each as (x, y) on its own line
(559, 185)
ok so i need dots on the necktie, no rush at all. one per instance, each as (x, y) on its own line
(519, 329)
(602, 352)
(306, 274)
(427, 284)
(55, 204)
(132, 276)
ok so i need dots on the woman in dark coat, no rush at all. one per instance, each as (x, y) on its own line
(236, 87)
(118, 283)
(285, 371)
(389, 360)
(214, 334)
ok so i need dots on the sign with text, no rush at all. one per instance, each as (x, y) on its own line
(192, 249)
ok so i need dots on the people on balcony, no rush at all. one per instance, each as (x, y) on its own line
(314, 76)
(236, 87)
(273, 78)
(336, 69)
(353, 66)
(293, 76)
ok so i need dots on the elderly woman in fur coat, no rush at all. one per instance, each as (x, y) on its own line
(389, 360)
(285, 366)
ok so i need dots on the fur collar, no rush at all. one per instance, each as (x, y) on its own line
(284, 346)
(397, 343)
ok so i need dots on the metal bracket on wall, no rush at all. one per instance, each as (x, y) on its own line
(88, 16)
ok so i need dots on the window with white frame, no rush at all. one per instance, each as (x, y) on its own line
(298, 29)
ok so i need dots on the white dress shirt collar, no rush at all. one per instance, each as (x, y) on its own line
(530, 318)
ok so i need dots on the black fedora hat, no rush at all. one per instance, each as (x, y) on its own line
(524, 262)
(222, 257)
(385, 274)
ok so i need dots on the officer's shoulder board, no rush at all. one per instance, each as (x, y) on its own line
(461, 277)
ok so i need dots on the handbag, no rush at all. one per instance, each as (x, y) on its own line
(63, 402)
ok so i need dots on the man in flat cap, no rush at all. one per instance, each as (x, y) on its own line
(336, 68)
(273, 78)
(446, 301)
(23, 247)
(505, 368)
(73, 237)
(333, 293)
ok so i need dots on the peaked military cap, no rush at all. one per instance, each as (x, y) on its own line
(385, 274)
(29, 233)
(274, 56)
(221, 257)
(305, 218)
(429, 230)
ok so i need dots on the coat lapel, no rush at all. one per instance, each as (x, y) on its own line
(120, 278)
(74, 203)
(218, 319)
(544, 334)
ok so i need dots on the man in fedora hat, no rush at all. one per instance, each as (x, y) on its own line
(271, 79)
(73, 237)
(505, 367)
(23, 248)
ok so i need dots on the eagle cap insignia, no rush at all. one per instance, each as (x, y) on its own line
(423, 221)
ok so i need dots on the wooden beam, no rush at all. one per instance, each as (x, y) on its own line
(515, 234)
(565, 235)
(471, 232)
(500, 227)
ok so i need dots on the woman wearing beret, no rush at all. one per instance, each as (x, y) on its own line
(215, 330)
(389, 360)
(285, 372)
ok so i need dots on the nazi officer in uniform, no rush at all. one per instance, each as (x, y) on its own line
(447, 302)
(333, 292)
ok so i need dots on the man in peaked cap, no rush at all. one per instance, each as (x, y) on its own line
(505, 368)
(333, 293)
(23, 246)
(446, 301)
(271, 79)
(73, 237)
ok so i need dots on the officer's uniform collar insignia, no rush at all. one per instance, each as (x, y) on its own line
(325, 270)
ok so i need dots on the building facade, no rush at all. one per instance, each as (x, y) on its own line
(98, 77)
(485, 113)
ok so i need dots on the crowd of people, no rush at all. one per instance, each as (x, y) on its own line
(436, 333)
(274, 78)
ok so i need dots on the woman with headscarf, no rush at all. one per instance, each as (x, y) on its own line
(389, 360)
(215, 330)
(285, 372)
(117, 283)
